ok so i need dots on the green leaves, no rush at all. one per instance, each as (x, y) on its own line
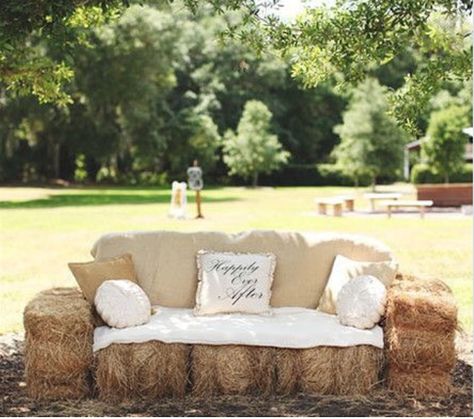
(29, 28)
(371, 142)
(351, 37)
(41, 77)
(444, 146)
(253, 149)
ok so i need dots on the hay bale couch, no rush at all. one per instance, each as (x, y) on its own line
(418, 328)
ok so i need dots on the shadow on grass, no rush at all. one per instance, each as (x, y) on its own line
(73, 200)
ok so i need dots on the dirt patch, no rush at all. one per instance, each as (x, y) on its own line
(14, 401)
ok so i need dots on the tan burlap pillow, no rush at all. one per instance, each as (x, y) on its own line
(345, 269)
(90, 275)
(234, 282)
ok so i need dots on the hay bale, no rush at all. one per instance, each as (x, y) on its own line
(414, 349)
(66, 387)
(161, 369)
(422, 310)
(287, 370)
(69, 358)
(436, 383)
(340, 371)
(261, 362)
(358, 369)
(420, 327)
(231, 369)
(317, 370)
(150, 370)
(112, 372)
(58, 344)
(416, 284)
(59, 314)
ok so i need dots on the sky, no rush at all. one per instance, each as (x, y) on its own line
(291, 8)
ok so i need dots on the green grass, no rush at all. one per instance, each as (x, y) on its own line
(42, 229)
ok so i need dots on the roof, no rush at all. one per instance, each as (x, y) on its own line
(468, 131)
(414, 144)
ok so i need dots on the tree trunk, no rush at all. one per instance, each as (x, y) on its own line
(446, 177)
(255, 180)
(374, 183)
(56, 159)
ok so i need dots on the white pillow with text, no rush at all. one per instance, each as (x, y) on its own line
(234, 282)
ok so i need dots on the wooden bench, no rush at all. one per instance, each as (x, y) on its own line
(348, 202)
(375, 196)
(421, 205)
(335, 203)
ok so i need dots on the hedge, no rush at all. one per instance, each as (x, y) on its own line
(422, 173)
(310, 175)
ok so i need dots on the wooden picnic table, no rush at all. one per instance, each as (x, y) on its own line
(421, 205)
(379, 196)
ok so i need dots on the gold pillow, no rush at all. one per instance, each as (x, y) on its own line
(90, 275)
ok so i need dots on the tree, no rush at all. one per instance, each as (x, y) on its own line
(147, 89)
(28, 29)
(346, 40)
(196, 137)
(253, 149)
(445, 143)
(126, 74)
(371, 142)
(219, 78)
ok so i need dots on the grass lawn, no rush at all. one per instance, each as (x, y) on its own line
(42, 229)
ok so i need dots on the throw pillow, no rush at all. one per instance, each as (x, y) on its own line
(234, 282)
(90, 275)
(361, 302)
(345, 269)
(122, 303)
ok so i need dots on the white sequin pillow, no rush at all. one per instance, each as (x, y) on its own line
(361, 302)
(122, 303)
(234, 282)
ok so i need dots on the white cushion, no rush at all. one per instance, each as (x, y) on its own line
(361, 302)
(122, 303)
(234, 282)
(287, 327)
(345, 269)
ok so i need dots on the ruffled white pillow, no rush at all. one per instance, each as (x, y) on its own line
(345, 269)
(361, 302)
(122, 303)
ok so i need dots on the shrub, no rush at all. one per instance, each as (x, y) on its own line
(138, 178)
(445, 145)
(152, 179)
(422, 173)
(311, 175)
(106, 175)
(332, 174)
(80, 172)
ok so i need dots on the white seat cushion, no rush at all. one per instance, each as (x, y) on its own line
(287, 327)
